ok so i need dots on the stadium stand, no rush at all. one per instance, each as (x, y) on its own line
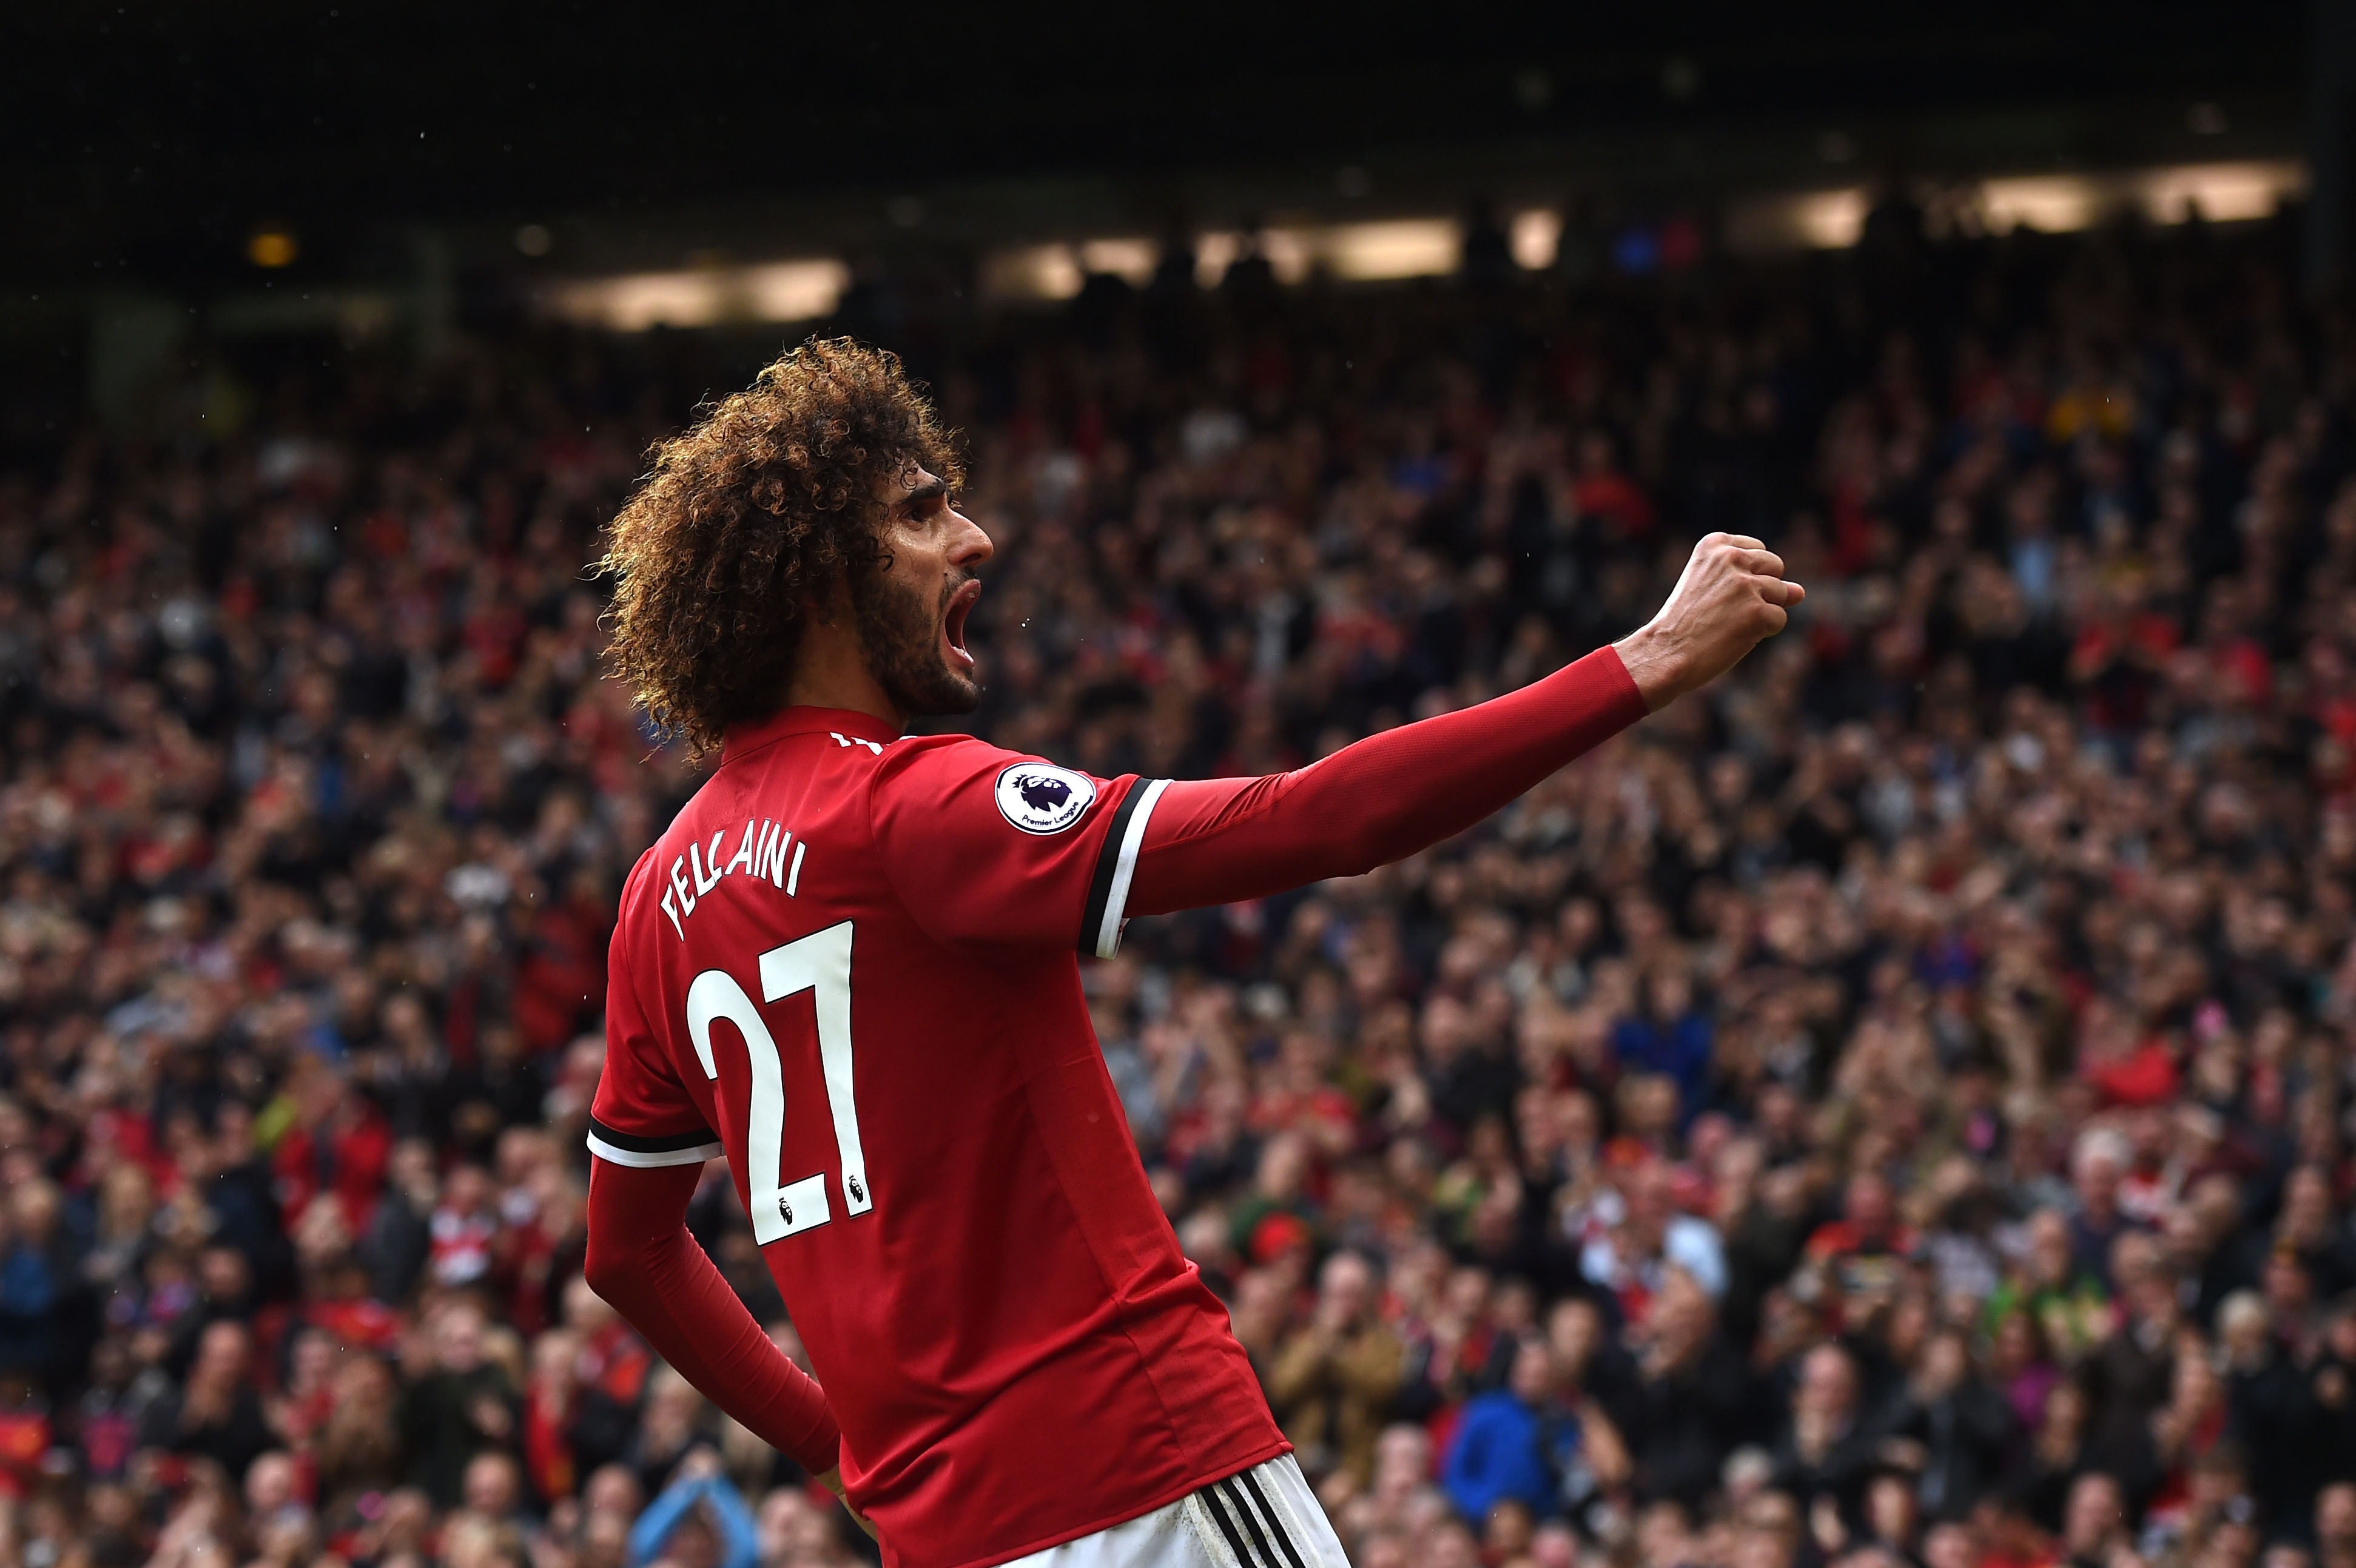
(1892, 1111)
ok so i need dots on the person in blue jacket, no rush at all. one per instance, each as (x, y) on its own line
(699, 1480)
(1506, 1443)
(1673, 1036)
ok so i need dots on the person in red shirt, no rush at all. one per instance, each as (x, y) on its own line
(333, 1142)
(1862, 1255)
(850, 965)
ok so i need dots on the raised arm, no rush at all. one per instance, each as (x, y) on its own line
(1217, 840)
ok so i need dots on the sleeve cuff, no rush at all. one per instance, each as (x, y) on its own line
(1629, 704)
(820, 1448)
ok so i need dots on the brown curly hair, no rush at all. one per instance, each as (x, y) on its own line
(761, 508)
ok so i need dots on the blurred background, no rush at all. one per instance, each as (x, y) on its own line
(1892, 1111)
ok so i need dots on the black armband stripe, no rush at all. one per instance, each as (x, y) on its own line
(691, 1147)
(1108, 905)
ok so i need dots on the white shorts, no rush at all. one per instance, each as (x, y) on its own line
(1265, 1518)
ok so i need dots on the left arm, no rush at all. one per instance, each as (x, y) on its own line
(643, 1261)
(648, 1148)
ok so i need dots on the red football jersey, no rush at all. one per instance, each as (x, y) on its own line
(852, 965)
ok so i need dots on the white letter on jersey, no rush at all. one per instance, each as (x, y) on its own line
(761, 851)
(710, 857)
(743, 855)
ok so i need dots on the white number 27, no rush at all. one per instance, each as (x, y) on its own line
(819, 964)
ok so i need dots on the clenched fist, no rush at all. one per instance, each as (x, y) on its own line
(1732, 595)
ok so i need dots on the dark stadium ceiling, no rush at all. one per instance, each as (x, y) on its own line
(145, 143)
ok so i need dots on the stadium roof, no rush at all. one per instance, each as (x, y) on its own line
(151, 142)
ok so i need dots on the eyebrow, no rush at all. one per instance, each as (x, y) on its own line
(922, 496)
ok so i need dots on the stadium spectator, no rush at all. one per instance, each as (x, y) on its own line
(2335, 1525)
(701, 1503)
(1503, 1448)
(1334, 1376)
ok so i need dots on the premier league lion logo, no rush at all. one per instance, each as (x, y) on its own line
(1047, 795)
(1040, 798)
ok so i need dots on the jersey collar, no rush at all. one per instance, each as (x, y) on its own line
(844, 723)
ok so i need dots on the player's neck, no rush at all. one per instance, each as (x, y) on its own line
(829, 671)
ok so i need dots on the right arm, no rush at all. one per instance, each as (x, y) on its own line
(1223, 840)
(1219, 841)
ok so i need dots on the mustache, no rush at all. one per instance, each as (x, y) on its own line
(957, 579)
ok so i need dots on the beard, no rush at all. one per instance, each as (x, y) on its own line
(899, 636)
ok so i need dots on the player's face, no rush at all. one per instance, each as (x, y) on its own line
(912, 614)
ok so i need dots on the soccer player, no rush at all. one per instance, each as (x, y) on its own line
(851, 966)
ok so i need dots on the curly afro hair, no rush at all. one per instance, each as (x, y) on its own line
(755, 513)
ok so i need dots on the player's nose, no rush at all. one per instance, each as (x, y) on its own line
(970, 546)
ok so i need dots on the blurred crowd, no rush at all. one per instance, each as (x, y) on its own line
(1889, 1111)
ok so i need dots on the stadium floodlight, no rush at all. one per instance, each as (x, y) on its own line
(1379, 251)
(1394, 248)
(1809, 221)
(643, 300)
(2054, 204)
(1130, 258)
(1535, 235)
(1831, 220)
(795, 291)
(802, 290)
(2220, 193)
(1215, 252)
(2049, 203)
(1403, 248)
(273, 247)
(1030, 272)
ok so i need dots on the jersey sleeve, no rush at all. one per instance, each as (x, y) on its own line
(1216, 841)
(989, 848)
(642, 1115)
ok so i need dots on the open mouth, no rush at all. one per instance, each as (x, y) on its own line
(960, 605)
